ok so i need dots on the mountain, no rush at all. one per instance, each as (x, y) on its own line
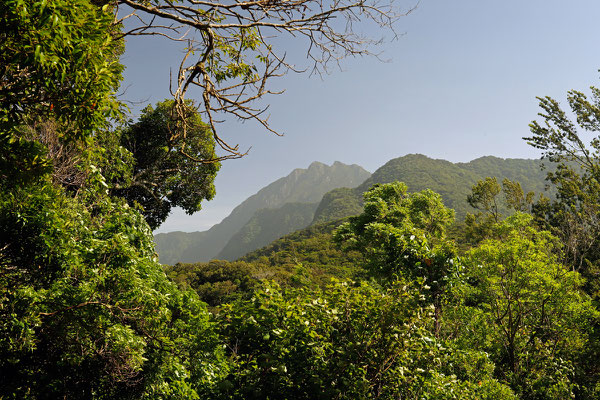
(267, 225)
(452, 180)
(300, 186)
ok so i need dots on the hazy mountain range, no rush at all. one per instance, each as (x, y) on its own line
(324, 193)
(300, 192)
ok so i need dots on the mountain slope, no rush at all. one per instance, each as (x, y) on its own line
(267, 225)
(312, 250)
(452, 180)
(301, 186)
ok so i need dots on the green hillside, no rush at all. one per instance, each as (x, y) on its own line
(312, 248)
(300, 199)
(452, 180)
(305, 258)
(267, 225)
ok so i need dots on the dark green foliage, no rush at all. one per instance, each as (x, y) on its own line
(59, 60)
(171, 167)
(307, 258)
(267, 225)
(218, 282)
(311, 251)
(86, 312)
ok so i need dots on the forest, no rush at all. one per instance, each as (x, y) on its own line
(395, 296)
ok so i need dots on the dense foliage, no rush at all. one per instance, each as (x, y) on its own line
(88, 312)
(166, 171)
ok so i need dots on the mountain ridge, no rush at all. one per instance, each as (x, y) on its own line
(290, 203)
(299, 186)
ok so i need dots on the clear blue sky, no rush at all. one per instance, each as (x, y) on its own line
(460, 83)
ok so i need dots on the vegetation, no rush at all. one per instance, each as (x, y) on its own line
(165, 173)
(391, 311)
(452, 181)
(250, 226)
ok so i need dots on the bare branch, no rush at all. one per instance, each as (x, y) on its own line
(231, 47)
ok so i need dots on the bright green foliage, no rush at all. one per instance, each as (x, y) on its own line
(524, 308)
(85, 309)
(168, 169)
(484, 197)
(346, 341)
(573, 216)
(58, 62)
(401, 234)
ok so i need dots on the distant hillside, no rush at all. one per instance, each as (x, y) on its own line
(313, 249)
(267, 225)
(452, 181)
(337, 204)
(300, 186)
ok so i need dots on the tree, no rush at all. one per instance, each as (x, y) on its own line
(86, 311)
(59, 63)
(484, 197)
(162, 176)
(526, 309)
(234, 49)
(349, 341)
(403, 235)
(516, 198)
(574, 215)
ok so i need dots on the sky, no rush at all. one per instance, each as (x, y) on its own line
(460, 82)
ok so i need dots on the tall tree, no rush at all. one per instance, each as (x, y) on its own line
(167, 171)
(574, 215)
(402, 235)
(526, 309)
